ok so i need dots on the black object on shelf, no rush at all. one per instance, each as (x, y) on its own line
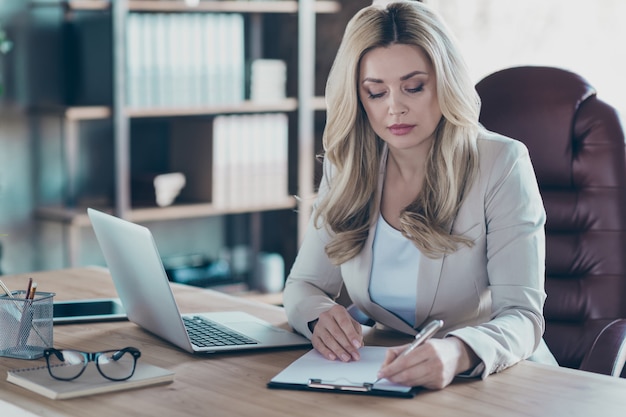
(198, 270)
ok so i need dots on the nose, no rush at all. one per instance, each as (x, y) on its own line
(396, 112)
(396, 106)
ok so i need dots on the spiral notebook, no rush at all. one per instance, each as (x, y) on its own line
(89, 383)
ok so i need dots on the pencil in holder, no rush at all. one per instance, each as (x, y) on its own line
(26, 325)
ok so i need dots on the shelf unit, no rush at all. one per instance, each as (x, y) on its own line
(73, 217)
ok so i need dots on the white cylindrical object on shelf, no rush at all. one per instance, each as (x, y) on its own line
(270, 273)
(268, 80)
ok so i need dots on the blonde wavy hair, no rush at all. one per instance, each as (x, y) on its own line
(354, 149)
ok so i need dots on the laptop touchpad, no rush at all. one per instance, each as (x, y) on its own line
(257, 330)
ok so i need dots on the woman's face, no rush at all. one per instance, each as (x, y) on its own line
(398, 90)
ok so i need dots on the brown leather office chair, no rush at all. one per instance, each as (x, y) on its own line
(576, 143)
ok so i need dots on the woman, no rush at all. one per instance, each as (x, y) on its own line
(421, 212)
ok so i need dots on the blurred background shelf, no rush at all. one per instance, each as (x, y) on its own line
(78, 216)
(284, 6)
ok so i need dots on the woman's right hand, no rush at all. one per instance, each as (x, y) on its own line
(337, 335)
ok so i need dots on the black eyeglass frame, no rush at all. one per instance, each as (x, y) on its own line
(92, 357)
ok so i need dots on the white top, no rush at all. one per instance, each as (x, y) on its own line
(395, 263)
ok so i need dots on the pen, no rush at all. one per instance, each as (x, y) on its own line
(26, 322)
(28, 288)
(5, 289)
(32, 289)
(426, 333)
(9, 294)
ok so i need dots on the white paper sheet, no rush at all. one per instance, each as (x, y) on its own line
(312, 365)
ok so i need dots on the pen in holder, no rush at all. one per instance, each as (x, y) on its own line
(25, 324)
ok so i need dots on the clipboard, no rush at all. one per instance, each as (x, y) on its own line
(315, 373)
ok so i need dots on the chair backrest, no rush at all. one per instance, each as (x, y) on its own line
(576, 144)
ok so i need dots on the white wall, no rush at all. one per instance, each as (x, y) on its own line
(586, 37)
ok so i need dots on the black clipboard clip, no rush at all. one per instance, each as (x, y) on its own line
(318, 384)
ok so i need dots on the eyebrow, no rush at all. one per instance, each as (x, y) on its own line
(403, 78)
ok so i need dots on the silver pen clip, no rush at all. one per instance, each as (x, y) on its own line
(317, 383)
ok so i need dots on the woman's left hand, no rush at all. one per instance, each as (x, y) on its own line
(432, 365)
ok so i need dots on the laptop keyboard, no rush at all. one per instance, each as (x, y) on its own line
(206, 333)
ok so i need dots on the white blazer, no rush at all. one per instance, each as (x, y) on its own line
(490, 295)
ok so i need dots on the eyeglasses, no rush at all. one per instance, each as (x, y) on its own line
(116, 365)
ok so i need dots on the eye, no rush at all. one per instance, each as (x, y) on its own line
(373, 95)
(416, 89)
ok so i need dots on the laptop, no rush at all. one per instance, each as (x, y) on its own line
(144, 290)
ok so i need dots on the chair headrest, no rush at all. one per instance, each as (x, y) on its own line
(538, 106)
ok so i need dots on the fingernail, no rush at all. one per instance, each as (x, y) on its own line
(356, 343)
(345, 357)
(331, 357)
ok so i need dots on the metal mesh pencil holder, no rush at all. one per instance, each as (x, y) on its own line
(25, 325)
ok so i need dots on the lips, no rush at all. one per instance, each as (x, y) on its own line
(400, 129)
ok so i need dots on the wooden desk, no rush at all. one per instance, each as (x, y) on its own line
(234, 384)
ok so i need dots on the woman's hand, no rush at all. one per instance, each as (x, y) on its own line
(337, 335)
(432, 365)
